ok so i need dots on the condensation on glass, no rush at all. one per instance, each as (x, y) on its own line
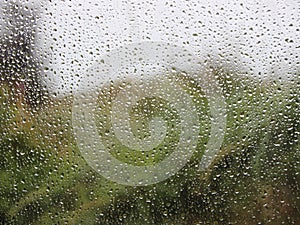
(149, 112)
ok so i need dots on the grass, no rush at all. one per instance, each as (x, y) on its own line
(253, 180)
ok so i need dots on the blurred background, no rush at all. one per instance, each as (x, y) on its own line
(252, 50)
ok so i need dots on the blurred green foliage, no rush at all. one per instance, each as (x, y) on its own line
(254, 179)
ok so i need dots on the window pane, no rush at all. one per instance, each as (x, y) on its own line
(149, 112)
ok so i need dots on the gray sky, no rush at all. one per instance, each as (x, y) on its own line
(259, 38)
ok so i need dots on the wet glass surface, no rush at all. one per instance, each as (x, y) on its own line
(149, 112)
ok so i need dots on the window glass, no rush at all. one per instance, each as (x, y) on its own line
(149, 112)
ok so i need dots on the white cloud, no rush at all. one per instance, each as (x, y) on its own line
(259, 38)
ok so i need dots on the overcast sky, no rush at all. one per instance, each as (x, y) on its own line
(259, 38)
